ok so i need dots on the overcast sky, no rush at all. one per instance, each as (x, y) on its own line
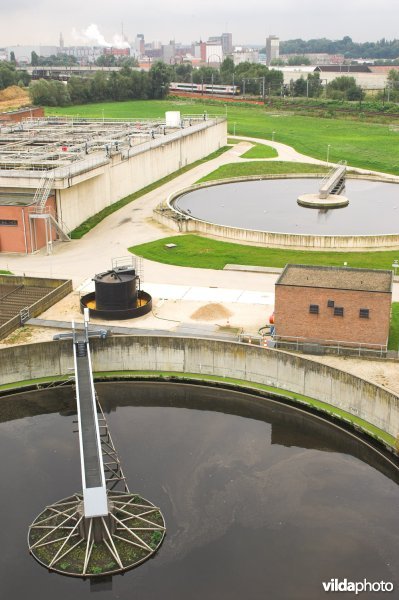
(250, 21)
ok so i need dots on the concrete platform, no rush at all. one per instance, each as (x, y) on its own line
(314, 201)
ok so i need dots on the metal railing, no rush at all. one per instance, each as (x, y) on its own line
(321, 346)
(330, 174)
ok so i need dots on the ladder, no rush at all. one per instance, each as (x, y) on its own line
(43, 191)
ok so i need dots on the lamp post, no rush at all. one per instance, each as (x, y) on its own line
(328, 154)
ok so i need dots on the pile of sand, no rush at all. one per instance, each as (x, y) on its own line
(13, 97)
(211, 312)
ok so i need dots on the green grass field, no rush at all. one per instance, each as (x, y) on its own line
(368, 145)
(260, 151)
(393, 342)
(261, 168)
(196, 251)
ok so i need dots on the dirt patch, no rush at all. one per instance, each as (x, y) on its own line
(211, 312)
(13, 97)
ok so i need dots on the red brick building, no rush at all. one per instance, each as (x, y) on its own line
(333, 304)
(17, 115)
(19, 230)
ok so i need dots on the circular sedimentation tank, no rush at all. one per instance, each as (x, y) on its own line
(253, 492)
(117, 296)
(368, 207)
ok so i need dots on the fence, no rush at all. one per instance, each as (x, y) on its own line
(337, 347)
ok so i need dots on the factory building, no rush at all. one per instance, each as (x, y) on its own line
(57, 172)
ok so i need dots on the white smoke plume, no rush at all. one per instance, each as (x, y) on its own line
(92, 36)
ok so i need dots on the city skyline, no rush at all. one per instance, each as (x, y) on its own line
(25, 23)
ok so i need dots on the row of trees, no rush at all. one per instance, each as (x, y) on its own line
(129, 84)
(67, 60)
(124, 85)
(388, 49)
(10, 76)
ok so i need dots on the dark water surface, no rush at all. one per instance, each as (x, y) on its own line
(260, 501)
(271, 205)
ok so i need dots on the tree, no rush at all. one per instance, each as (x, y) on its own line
(106, 60)
(344, 88)
(99, 87)
(227, 71)
(159, 79)
(13, 60)
(207, 75)
(277, 62)
(300, 87)
(8, 75)
(79, 90)
(315, 87)
(298, 60)
(183, 72)
(34, 61)
(49, 93)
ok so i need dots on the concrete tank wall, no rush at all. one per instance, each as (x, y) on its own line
(124, 176)
(175, 220)
(211, 357)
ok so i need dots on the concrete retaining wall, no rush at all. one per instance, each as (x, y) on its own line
(176, 221)
(226, 359)
(58, 289)
(88, 194)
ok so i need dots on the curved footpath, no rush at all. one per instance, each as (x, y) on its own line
(133, 224)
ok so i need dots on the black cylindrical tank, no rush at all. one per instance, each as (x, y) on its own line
(116, 289)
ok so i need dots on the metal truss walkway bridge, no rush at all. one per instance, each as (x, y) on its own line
(103, 530)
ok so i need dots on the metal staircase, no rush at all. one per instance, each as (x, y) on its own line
(41, 211)
(334, 182)
(43, 191)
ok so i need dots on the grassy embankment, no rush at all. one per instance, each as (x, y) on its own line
(362, 144)
(260, 151)
(393, 341)
(196, 251)
(261, 168)
(91, 222)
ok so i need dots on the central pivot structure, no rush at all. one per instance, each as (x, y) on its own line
(329, 195)
(102, 530)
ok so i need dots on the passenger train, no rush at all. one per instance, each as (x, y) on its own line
(204, 88)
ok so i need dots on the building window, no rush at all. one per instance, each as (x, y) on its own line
(8, 222)
(364, 313)
(338, 311)
(314, 309)
(330, 303)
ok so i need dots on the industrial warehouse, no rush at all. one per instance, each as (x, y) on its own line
(56, 172)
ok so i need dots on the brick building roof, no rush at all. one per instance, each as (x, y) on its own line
(340, 278)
